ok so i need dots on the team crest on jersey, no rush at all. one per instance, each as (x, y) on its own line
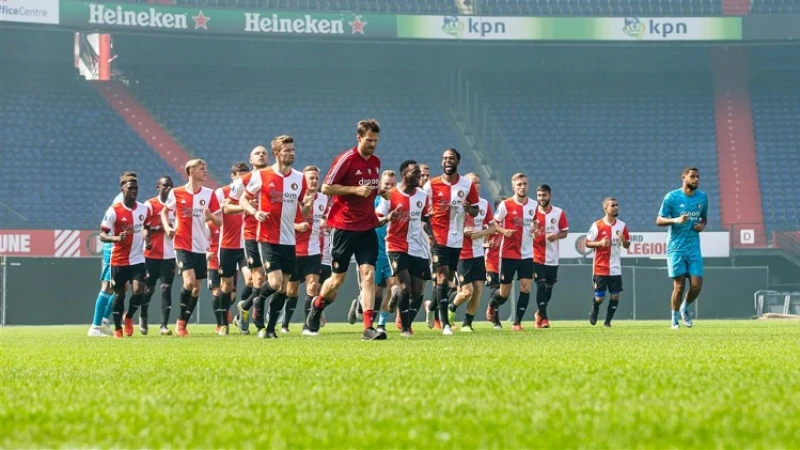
(320, 207)
(202, 202)
(460, 194)
(294, 186)
(483, 212)
(419, 204)
(619, 232)
(530, 212)
(141, 216)
(553, 220)
(699, 206)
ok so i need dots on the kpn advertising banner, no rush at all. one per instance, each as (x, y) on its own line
(570, 28)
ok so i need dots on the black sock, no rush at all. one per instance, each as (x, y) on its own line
(522, 306)
(452, 306)
(468, 318)
(227, 301)
(246, 293)
(496, 299)
(403, 304)
(291, 305)
(216, 304)
(549, 293)
(451, 295)
(148, 295)
(260, 304)
(248, 301)
(492, 292)
(166, 303)
(192, 305)
(276, 302)
(118, 310)
(541, 299)
(307, 307)
(441, 292)
(136, 301)
(413, 308)
(596, 305)
(612, 308)
(186, 297)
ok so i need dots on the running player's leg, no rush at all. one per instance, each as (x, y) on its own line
(293, 291)
(189, 288)
(214, 283)
(279, 262)
(153, 267)
(550, 278)
(508, 268)
(119, 281)
(343, 245)
(104, 298)
(614, 290)
(472, 306)
(600, 288)
(167, 278)
(492, 309)
(137, 275)
(695, 271)
(401, 263)
(678, 270)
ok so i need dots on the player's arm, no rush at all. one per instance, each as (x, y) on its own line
(625, 238)
(338, 189)
(591, 239)
(105, 236)
(488, 231)
(665, 214)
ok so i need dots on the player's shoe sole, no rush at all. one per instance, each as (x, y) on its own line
(96, 332)
(352, 317)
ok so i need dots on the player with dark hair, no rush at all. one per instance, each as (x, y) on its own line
(685, 212)
(606, 237)
(159, 254)
(123, 224)
(352, 183)
(451, 198)
(493, 244)
(550, 226)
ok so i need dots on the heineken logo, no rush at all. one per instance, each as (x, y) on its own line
(303, 24)
(99, 14)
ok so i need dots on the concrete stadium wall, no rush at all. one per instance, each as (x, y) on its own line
(57, 291)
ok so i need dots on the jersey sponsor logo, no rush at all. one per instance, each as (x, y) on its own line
(371, 182)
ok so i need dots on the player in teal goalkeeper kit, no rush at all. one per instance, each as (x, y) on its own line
(685, 212)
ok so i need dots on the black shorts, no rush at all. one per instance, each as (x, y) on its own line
(306, 265)
(417, 267)
(611, 283)
(277, 257)
(522, 268)
(120, 275)
(213, 279)
(252, 254)
(470, 270)
(345, 244)
(163, 269)
(192, 261)
(230, 260)
(546, 274)
(492, 279)
(324, 273)
(445, 256)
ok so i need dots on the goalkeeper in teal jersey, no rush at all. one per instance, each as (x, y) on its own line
(685, 212)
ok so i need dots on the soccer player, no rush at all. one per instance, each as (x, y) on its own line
(212, 263)
(352, 183)
(159, 255)
(493, 244)
(194, 205)
(451, 198)
(471, 264)
(405, 210)
(514, 219)
(258, 161)
(280, 190)
(426, 174)
(104, 302)
(550, 227)
(230, 248)
(606, 236)
(123, 225)
(685, 212)
(308, 248)
(383, 272)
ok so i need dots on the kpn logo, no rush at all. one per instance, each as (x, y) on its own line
(654, 29)
(633, 27)
(452, 26)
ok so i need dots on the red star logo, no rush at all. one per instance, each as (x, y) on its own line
(200, 21)
(357, 26)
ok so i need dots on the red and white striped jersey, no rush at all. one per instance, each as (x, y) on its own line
(494, 241)
(213, 232)
(447, 213)
(231, 229)
(404, 234)
(190, 223)
(473, 248)
(554, 221)
(119, 218)
(309, 243)
(160, 245)
(607, 260)
(250, 230)
(519, 218)
(279, 196)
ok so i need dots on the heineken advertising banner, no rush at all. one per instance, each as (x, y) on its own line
(224, 21)
(570, 28)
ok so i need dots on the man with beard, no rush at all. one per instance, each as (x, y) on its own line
(159, 256)
(550, 226)
(451, 197)
(685, 212)
(606, 237)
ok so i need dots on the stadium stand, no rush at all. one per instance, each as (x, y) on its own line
(776, 115)
(210, 114)
(63, 150)
(775, 7)
(592, 136)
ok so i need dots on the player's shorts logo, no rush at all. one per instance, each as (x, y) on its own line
(250, 260)
(266, 265)
(180, 264)
(219, 271)
(436, 258)
(461, 278)
(335, 265)
(394, 265)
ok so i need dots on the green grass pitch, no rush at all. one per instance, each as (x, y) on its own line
(638, 385)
